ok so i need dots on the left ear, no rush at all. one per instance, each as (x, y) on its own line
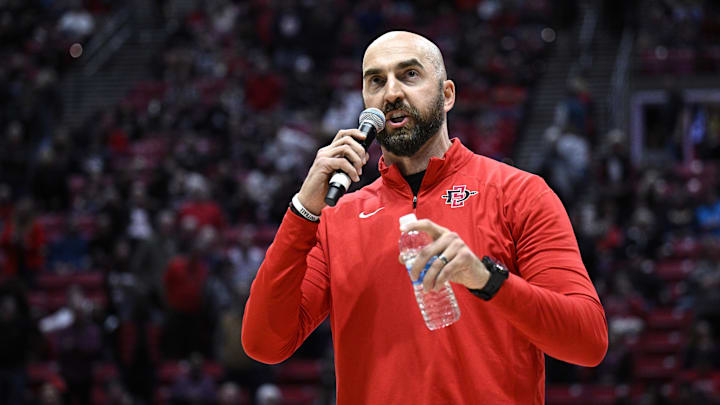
(449, 94)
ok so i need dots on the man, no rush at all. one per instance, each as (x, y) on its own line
(345, 265)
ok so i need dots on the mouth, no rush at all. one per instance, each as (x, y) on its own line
(396, 119)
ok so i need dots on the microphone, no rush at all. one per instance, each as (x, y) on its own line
(371, 121)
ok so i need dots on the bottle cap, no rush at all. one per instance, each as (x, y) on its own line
(407, 219)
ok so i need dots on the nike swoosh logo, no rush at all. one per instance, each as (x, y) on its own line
(364, 215)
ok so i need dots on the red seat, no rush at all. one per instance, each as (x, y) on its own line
(46, 302)
(294, 371)
(674, 270)
(668, 319)
(170, 371)
(602, 394)
(91, 281)
(656, 367)
(52, 300)
(104, 372)
(87, 225)
(686, 248)
(41, 372)
(214, 370)
(98, 395)
(53, 225)
(567, 395)
(661, 342)
(299, 394)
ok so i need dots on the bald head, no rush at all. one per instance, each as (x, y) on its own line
(402, 40)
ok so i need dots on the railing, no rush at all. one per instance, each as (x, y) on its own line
(114, 33)
(585, 40)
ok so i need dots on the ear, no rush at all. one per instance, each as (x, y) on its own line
(449, 94)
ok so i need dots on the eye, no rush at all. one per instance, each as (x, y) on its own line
(412, 73)
(376, 80)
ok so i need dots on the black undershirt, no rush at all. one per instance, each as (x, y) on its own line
(414, 180)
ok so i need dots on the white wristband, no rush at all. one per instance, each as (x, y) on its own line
(303, 211)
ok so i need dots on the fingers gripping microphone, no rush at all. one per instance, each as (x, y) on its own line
(371, 121)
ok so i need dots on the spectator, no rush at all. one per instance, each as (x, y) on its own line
(77, 23)
(204, 210)
(567, 164)
(16, 343)
(117, 394)
(708, 214)
(79, 346)
(23, 243)
(263, 88)
(69, 254)
(238, 365)
(269, 394)
(14, 150)
(195, 386)
(230, 394)
(151, 256)
(246, 257)
(102, 242)
(702, 352)
(615, 173)
(48, 182)
(187, 328)
(139, 228)
(139, 354)
(49, 395)
(6, 203)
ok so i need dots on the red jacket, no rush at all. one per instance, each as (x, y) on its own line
(32, 255)
(347, 268)
(185, 284)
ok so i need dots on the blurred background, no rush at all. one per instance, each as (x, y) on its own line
(149, 150)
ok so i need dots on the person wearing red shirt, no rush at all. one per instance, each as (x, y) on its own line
(200, 206)
(342, 263)
(23, 243)
(184, 281)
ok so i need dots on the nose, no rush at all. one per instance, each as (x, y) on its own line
(393, 90)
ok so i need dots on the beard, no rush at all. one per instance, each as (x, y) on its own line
(407, 140)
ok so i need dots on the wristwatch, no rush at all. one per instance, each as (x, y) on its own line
(498, 275)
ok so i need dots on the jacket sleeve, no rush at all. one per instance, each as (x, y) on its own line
(290, 295)
(552, 301)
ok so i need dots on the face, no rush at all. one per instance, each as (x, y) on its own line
(401, 80)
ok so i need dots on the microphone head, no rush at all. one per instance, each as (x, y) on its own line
(374, 117)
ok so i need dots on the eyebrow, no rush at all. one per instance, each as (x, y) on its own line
(402, 65)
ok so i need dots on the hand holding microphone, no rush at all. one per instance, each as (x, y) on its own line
(339, 163)
(371, 122)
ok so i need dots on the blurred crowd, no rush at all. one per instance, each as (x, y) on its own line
(676, 36)
(128, 244)
(649, 234)
(648, 231)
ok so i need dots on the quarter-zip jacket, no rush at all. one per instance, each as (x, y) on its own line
(346, 267)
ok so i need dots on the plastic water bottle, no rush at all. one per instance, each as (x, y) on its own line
(438, 308)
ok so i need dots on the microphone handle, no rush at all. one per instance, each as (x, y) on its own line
(340, 182)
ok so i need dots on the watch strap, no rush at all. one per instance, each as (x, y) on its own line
(498, 275)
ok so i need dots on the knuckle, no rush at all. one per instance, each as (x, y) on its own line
(457, 244)
(464, 254)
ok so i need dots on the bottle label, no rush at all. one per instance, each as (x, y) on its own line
(424, 270)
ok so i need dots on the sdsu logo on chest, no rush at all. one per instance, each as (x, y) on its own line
(456, 196)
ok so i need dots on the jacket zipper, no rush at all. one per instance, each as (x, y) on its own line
(414, 201)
